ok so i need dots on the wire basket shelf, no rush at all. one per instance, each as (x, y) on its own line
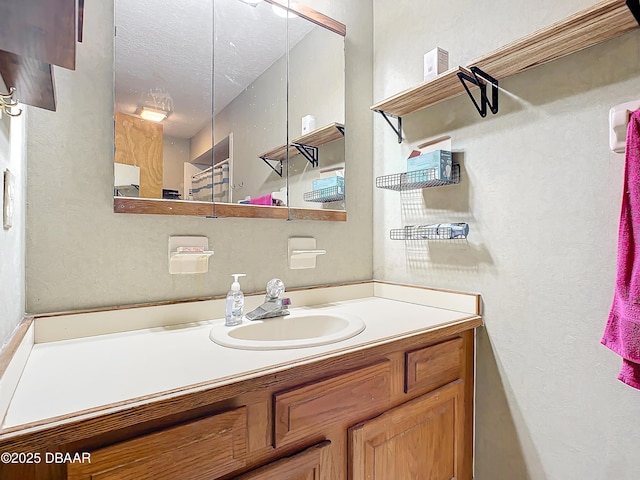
(330, 194)
(418, 179)
(455, 231)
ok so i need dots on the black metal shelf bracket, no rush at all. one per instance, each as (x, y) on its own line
(308, 152)
(398, 129)
(634, 6)
(480, 79)
(340, 129)
(271, 165)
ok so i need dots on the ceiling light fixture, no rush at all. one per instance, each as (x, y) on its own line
(152, 114)
(155, 105)
(282, 12)
(253, 3)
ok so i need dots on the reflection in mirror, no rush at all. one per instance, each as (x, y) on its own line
(250, 98)
(316, 121)
(163, 98)
(201, 107)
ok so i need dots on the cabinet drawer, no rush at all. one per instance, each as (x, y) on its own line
(345, 398)
(203, 449)
(314, 463)
(434, 366)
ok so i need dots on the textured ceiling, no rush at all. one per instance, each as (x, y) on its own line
(169, 45)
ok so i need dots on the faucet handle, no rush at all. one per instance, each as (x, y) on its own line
(275, 288)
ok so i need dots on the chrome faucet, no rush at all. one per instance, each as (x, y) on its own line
(273, 305)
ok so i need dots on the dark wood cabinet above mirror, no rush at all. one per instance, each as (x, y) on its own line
(34, 36)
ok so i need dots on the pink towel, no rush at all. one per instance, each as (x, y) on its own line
(263, 200)
(622, 333)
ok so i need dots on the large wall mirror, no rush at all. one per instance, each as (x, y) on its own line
(229, 108)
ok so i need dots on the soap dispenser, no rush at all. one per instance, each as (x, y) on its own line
(235, 303)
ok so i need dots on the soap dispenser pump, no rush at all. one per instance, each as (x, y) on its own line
(235, 303)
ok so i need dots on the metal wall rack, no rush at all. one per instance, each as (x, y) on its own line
(325, 195)
(417, 180)
(425, 232)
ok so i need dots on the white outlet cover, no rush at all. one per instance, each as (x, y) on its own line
(9, 199)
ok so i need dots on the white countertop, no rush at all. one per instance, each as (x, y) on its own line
(71, 376)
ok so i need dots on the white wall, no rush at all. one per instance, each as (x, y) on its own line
(12, 241)
(541, 192)
(81, 255)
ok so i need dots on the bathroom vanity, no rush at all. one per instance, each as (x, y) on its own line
(394, 401)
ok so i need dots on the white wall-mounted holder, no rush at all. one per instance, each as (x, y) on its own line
(188, 255)
(618, 121)
(9, 199)
(303, 253)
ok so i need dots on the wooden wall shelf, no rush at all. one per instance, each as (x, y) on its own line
(317, 138)
(601, 22)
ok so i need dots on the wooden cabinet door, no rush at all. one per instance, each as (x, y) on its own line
(310, 464)
(422, 439)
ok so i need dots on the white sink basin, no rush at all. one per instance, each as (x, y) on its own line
(293, 331)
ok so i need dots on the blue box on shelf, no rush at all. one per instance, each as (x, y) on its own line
(328, 182)
(435, 165)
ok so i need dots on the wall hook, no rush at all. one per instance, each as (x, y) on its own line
(7, 103)
(480, 80)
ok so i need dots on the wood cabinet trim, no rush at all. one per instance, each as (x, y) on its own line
(469, 338)
(9, 349)
(312, 15)
(152, 206)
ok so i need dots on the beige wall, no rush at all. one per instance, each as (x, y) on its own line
(257, 117)
(12, 241)
(541, 192)
(80, 254)
(316, 68)
(175, 154)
